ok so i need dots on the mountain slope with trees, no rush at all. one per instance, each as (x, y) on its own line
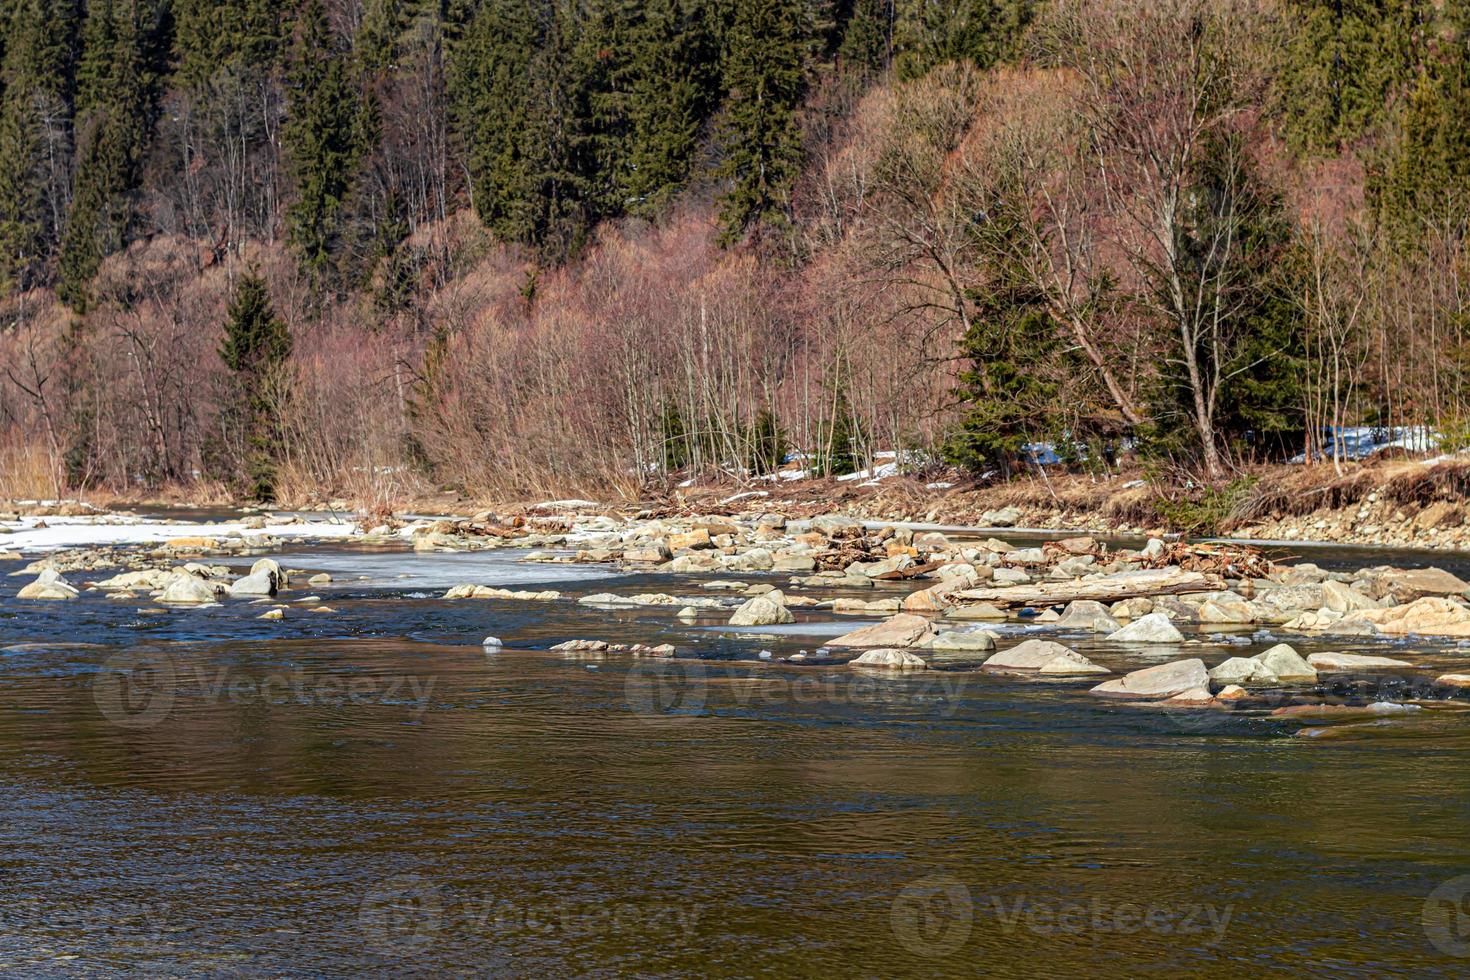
(516, 246)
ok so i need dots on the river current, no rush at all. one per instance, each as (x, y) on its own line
(371, 790)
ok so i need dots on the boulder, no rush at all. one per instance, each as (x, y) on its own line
(1010, 576)
(1350, 661)
(48, 585)
(1287, 665)
(269, 566)
(149, 579)
(256, 584)
(1423, 581)
(187, 590)
(1279, 605)
(1029, 655)
(890, 660)
(1004, 517)
(763, 610)
(1341, 598)
(1086, 614)
(1453, 680)
(1231, 692)
(926, 600)
(1078, 546)
(953, 642)
(978, 612)
(690, 540)
(1195, 697)
(1070, 664)
(902, 630)
(1163, 681)
(1431, 616)
(272, 614)
(793, 563)
(1135, 608)
(1226, 611)
(1241, 671)
(1153, 628)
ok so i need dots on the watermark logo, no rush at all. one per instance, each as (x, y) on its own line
(140, 690)
(681, 688)
(407, 912)
(666, 689)
(1446, 917)
(402, 914)
(136, 690)
(935, 917)
(932, 917)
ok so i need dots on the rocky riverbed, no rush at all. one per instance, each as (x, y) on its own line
(952, 601)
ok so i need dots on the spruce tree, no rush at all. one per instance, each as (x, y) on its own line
(325, 139)
(115, 93)
(932, 32)
(766, 52)
(866, 37)
(256, 346)
(673, 90)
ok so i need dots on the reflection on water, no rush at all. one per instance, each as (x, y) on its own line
(370, 790)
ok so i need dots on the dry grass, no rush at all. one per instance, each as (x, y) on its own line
(27, 472)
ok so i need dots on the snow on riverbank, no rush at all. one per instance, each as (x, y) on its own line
(112, 529)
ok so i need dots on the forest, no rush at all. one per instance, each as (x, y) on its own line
(368, 247)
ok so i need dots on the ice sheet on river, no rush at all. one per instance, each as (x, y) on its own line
(437, 570)
(110, 529)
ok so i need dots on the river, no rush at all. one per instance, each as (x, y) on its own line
(370, 790)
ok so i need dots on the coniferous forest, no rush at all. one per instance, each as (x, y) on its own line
(512, 246)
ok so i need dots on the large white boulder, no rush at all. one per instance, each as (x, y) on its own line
(1153, 628)
(890, 660)
(763, 610)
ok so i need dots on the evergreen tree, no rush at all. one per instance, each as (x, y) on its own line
(931, 32)
(1010, 397)
(673, 90)
(257, 344)
(766, 49)
(116, 77)
(1426, 179)
(1344, 62)
(767, 443)
(837, 440)
(328, 127)
(866, 37)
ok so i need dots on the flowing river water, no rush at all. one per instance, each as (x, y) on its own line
(369, 790)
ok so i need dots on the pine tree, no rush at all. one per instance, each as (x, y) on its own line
(328, 128)
(837, 440)
(115, 95)
(1343, 65)
(673, 90)
(1426, 179)
(766, 50)
(866, 37)
(256, 346)
(932, 32)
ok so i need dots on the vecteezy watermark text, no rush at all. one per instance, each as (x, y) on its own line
(406, 912)
(936, 916)
(686, 688)
(139, 690)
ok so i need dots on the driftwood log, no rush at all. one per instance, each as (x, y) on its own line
(1112, 588)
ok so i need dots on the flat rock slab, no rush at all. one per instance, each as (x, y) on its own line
(900, 631)
(1029, 655)
(1163, 681)
(1350, 661)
